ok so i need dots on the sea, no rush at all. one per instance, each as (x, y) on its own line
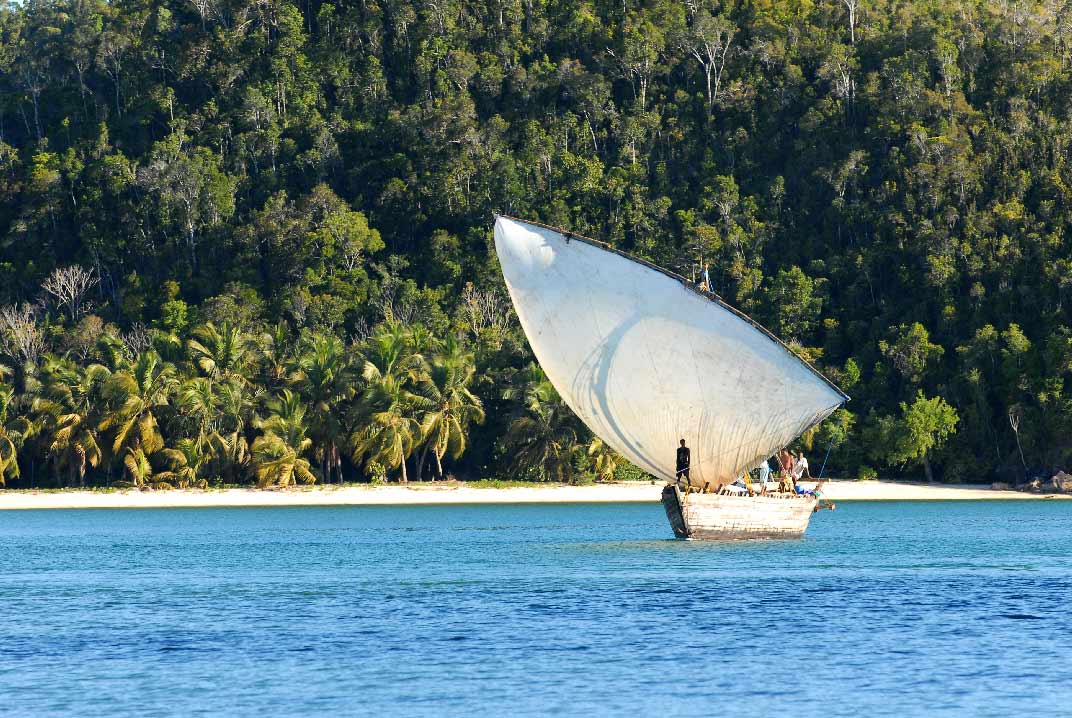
(884, 609)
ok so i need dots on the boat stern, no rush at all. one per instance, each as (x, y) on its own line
(675, 510)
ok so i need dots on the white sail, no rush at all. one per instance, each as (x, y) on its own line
(645, 359)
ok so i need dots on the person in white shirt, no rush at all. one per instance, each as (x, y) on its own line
(800, 467)
(764, 472)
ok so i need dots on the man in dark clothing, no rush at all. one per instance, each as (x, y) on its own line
(683, 460)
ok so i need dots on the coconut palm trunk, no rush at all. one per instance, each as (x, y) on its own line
(420, 463)
(333, 464)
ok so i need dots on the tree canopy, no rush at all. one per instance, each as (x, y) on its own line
(235, 193)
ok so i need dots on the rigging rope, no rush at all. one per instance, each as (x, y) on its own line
(828, 448)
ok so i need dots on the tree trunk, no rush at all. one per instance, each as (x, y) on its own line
(927, 469)
(420, 463)
(192, 245)
(82, 469)
(405, 479)
(439, 465)
(37, 121)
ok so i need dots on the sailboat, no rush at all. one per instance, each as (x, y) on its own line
(646, 358)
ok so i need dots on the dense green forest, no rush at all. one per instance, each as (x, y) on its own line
(250, 241)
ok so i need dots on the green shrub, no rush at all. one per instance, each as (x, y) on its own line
(583, 478)
(626, 471)
(377, 473)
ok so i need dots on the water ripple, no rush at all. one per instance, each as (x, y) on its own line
(887, 609)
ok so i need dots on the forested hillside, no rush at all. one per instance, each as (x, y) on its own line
(250, 241)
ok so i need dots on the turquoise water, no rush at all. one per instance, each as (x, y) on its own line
(947, 609)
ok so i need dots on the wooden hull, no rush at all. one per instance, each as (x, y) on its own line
(720, 517)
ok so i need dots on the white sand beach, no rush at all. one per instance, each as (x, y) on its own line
(454, 493)
(901, 491)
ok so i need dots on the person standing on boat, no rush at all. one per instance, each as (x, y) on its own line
(785, 471)
(684, 460)
(785, 463)
(800, 467)
(764, 472)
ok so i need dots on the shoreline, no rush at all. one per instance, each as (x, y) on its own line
(454, 493)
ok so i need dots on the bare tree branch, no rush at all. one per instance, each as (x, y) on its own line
(136, 341)
(708, 41)
(393, 307)
(362, 331)
(852, 6)
(69, 286)
(485, 308)
(21, 337)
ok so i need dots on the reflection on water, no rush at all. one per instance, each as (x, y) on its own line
(884, 609)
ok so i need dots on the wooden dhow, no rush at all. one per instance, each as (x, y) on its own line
(646, 358)
(697, 515)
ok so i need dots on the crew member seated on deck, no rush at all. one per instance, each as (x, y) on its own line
(684, 459)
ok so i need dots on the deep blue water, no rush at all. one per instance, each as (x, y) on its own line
(940, 609)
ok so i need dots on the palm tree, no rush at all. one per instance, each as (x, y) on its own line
(521, 382)
(139, 393)
(385, 427)
(324, 377)
(113, 352)
(230, 452)
(222, 353)
(275, 350)
(277, 453)
(13, 432)
(387, 430)
(168, 345)
(389, 352)
(604, 459)
(199, 406)
(543, 440)
(140, 470)
(185, 462)
(228, 444)
(447, 404)
(66, 405)
(421, 340)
